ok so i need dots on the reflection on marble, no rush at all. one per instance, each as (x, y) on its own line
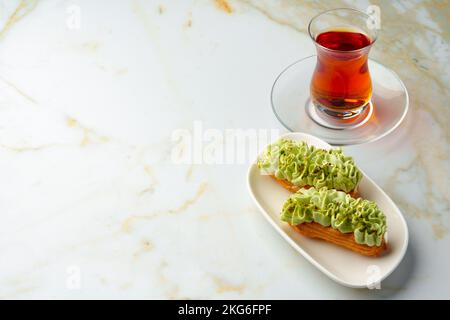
(92, 205)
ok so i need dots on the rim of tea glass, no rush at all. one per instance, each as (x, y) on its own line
(342, 9)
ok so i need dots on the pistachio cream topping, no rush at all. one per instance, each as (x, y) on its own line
(304, 165)
(338, 210)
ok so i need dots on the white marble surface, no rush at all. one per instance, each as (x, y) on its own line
(88, 190)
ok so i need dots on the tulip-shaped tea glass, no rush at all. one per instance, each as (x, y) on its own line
(346, 98)
(341, 87)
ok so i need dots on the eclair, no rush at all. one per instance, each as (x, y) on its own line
(336, 217)
(295, 165)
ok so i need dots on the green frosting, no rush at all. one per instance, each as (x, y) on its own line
(304, 165)
(338, 210)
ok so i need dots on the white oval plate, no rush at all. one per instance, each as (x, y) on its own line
(342, 265)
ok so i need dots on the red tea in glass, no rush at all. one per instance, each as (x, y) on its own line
(341, 86)
(341, 82)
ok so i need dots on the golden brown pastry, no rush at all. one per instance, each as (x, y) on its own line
(336, 217)
(347, 240)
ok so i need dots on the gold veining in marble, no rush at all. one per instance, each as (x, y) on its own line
(189, 202)
(91, 46)
(20, 149)
(144, 247)
(223, 286)
(188, 22)
(171, 289)
(19, 291)
(24, 8)
(116, 71)
(161, 9)
(432, 198)
(153, 180)
(127, 224)
(440, 231)
(18, 90)
(224, 6)
(153, 32)
(189, 173)
(89, 135)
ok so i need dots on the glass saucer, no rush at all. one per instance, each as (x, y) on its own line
(292, 106)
